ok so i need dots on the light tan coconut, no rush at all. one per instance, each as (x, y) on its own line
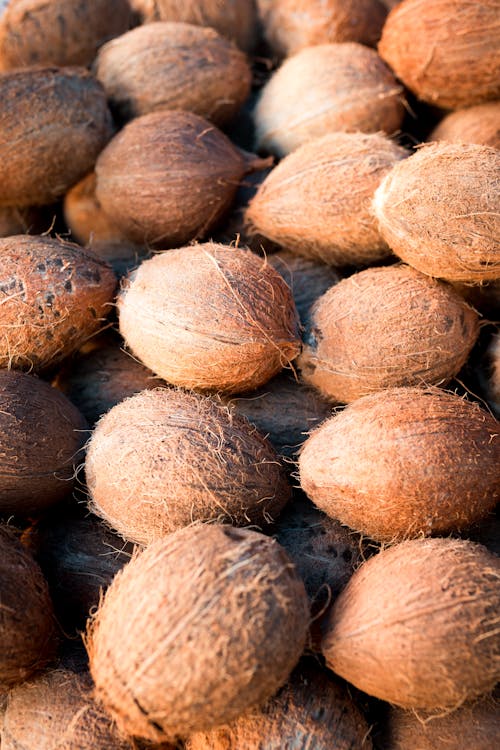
(479, 124)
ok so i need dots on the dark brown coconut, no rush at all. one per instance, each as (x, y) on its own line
(53, 124)
(417, 624)
(386, 327)
(210, 317)
(330, 87)
(41, 434)
(405, 462)
(53, 296)
(479, 124)
(335, 177)
(446, 51)
(165, 458)
(216, 619)
(439, 211)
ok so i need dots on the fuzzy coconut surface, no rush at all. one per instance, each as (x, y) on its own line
(479, 124)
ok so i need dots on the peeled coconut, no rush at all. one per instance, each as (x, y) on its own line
(479, 124)
(405, 462)
(439, 211)
(329, 87)
(416, 624)
(205, 624)
(53, 124)
(210, 317)
(446, 51)
(335, 177)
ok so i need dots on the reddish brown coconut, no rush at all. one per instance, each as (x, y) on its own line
(216, 619)
(479, 124)
(446, 51)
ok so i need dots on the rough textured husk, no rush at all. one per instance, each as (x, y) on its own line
(439, 211)
(41, 435)
(405, 462)
(446, 51)
(162, 459)
(329, 87)
(59, 32)
(216, 620)
(210, 317)
(335, 177)
(27, 625)
(479, 124)
(163, 66)
(19, 220)
(417, 625)
(53, 124)
(386, 327)
(168, 177)
(53, 296)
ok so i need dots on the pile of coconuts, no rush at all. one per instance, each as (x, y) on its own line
(249, 374)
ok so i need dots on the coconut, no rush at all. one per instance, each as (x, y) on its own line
(386, 327)
(210, 317)
(405, 462)
(340, 87)
(479, 124)
(216, 620)
(446, 51)
(53, 124)
(493, 373)
(41, 434)
(337, 185)
(19, 220)
(439, 211)
(53, 296)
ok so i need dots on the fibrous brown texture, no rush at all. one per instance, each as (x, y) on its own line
(446, 51)
(58, 32)
(479, 124)
(210, 317)
(53, 296)
(53, 124)
(27, 625)
(205, 624)
(386, 327)
(439, 211)
(417, 625)
(329, 87)
(405, 462)
(317, 201)
(162, 459)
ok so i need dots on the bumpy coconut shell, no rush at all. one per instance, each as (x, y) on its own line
(479, 124)
(162, 459)
(53, 296)
(335, 177)
(446, 51)
(417, 624)
(216, 619)
(210, 317)
(27, 625)
(439, 211)
(330, 87)
(53, 124)
(386, 327)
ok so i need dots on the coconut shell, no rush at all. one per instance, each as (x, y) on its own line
(335, 177)
(41, 435)
(340, 87)
(53, 124)
(446, 52)
(479, 124)
(439, 211)
(216, 620)
(210, 317)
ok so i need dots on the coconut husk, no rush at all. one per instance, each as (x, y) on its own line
(479, 124)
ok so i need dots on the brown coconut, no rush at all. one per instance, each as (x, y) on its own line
(405, 462)
(53, 124)
(329, 87)
(439, 211)
(493, 373)
(479, 124)
(335, 177)
(216, 619)
(417, 624)
(210, 317)
(162, 459)
(27, 625)
(446, 51)
(386, 327)
(53, 296)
